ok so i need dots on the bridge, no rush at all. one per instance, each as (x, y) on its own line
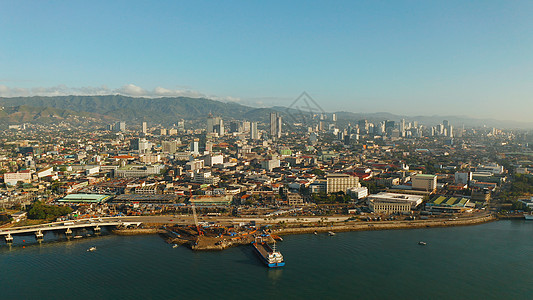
(67, 226)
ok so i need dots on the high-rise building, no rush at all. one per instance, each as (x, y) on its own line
(235, 126)
(194, 148)
(278, 128)
(389, 126)
(211, 123)
(169, 146)
(246, 126)
(120, 126)
(363, 126)
(334, 117)
(275, 125)
(273, 117)
(144, 128)
(141, 145)
(254, 134)
(424, 182)
(220, 127)
(463, 177)
(215, 125)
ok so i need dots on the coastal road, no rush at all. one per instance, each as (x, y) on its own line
(188, 220)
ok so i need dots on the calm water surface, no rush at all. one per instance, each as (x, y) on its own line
(489, 261)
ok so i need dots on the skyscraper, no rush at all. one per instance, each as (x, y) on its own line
(215, 124)
(211, 122)
(220, 127)
(254, 134)
(275, 125)
(235, 126)
(169, 146)
(273, 117)
(144, 128)
(194, 148)
(141, 145)
(120, 126)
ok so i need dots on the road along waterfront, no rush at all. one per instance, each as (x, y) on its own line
(157, 224)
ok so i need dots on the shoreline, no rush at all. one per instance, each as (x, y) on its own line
(386, 225)
(335, 227)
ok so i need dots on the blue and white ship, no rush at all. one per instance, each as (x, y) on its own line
(269, 255)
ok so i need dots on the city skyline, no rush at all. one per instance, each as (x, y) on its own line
(408, 58)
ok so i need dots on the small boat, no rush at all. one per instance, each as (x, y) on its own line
(316, 233)
(175, 246)
(78, 237)
(331, 233)
(91, 249)
(422, 243)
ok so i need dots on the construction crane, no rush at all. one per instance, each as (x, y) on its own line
(200, 232)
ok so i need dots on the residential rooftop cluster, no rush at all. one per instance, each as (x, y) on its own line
(238, 167)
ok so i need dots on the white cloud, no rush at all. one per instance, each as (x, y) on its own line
(126, 90)
(131, 90)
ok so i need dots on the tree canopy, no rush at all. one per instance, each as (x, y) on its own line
(41, 211)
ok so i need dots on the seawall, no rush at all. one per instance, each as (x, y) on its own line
(136, 231)
(386, 225)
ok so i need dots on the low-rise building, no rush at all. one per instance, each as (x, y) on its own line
(295, 199)
(340, 182)
(15, 177)
(393, 203)
(138, 171)
(211, 200)
(205, 178)
(270, 164)
(358, 193)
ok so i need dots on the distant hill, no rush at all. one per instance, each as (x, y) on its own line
(44, 115)
(159, 110)
(169, 109)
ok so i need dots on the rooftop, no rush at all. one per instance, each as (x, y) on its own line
(428, 176)
(85, 198)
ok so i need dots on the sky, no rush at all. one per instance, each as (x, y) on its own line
(448, 57)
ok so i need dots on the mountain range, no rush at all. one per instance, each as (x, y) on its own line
(168, 110)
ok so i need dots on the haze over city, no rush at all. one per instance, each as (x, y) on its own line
(470, 58)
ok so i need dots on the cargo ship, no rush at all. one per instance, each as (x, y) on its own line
(269, 255)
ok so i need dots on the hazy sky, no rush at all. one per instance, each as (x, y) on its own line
(408, 57)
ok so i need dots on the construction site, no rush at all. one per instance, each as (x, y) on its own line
(213, 236)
